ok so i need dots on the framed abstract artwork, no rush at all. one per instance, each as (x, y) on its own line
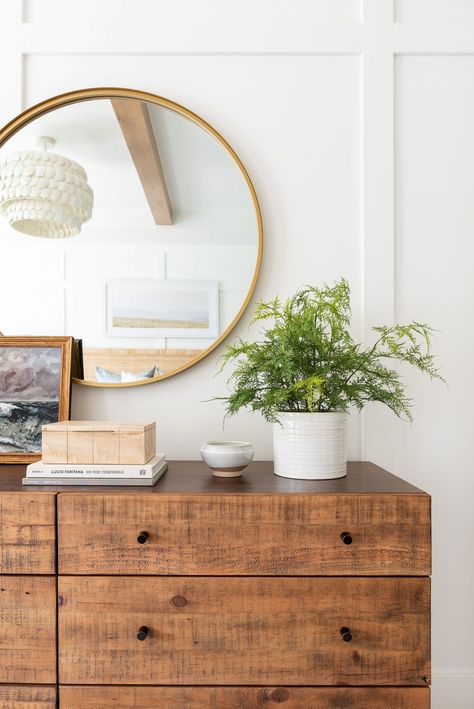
(35, 389)
(142, 308)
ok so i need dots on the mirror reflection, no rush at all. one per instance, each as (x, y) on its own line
(129, 226)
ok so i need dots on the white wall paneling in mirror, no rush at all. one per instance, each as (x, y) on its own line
(305, 93)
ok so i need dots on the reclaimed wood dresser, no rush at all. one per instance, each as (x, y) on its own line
(209, 593)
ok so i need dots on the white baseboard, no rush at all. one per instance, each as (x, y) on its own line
(452, 690)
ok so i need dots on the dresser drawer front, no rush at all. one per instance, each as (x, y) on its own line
(245, 534)
(27, 697)
(244, 631)
(244, 698)
(28, 629)
(27, 533)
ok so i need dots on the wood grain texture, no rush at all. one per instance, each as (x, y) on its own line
(137, 447)
(27, 533)
(106, 447)
(191, 477)
(53, 446)
(135, 360)
(243, 698)
(80, 447)
(134, 120)
(244, 631)
(28, 629)
(244, 535)
(98, 442)
(27, 697)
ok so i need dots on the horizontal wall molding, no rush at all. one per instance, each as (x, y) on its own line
(214, 38)
(301, 37)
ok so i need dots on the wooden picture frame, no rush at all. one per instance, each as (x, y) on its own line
(35, 389)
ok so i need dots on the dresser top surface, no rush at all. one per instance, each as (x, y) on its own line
(194, 477)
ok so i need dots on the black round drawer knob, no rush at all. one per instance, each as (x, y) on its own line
(346, 537)
(142, 632)
(142, 537)
(346, 634)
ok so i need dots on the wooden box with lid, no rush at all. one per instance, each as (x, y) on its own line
(98, 442)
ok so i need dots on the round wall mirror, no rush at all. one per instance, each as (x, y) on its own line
(129, 223)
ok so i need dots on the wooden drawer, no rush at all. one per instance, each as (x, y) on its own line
(27, 697)
(28, 629)
(27, 533)
(244, 698)
(298, 534)
(244, 631)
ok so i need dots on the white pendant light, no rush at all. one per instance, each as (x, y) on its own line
(44, 194)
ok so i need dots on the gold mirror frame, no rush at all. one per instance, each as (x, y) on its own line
(108, 93)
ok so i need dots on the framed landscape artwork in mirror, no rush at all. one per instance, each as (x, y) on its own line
(162, 308)
(131, 225)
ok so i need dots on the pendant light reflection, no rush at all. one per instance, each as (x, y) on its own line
(44, 194)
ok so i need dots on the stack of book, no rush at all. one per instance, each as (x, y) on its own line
(82, 474)
(97, 453)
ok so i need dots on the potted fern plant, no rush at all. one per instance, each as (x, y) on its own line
(308, 371)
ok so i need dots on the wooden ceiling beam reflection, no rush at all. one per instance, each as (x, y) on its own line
(135, 123)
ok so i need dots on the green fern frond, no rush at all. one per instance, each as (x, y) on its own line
(308, 360)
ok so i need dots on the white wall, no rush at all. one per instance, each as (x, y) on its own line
(354, 119)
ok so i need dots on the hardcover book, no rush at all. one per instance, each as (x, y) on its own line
(100, 471)
(105, 482)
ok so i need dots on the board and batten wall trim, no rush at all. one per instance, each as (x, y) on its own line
(374, 34)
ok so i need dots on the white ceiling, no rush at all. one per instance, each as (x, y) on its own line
(204, 182)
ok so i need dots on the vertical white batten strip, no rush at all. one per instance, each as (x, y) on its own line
(11, 56)
(377, 208)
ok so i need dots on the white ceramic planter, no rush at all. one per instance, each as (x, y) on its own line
(310, 446)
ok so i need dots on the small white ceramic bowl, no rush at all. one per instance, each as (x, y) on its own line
(227, 459)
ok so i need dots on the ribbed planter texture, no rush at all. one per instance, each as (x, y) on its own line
(310, 446)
